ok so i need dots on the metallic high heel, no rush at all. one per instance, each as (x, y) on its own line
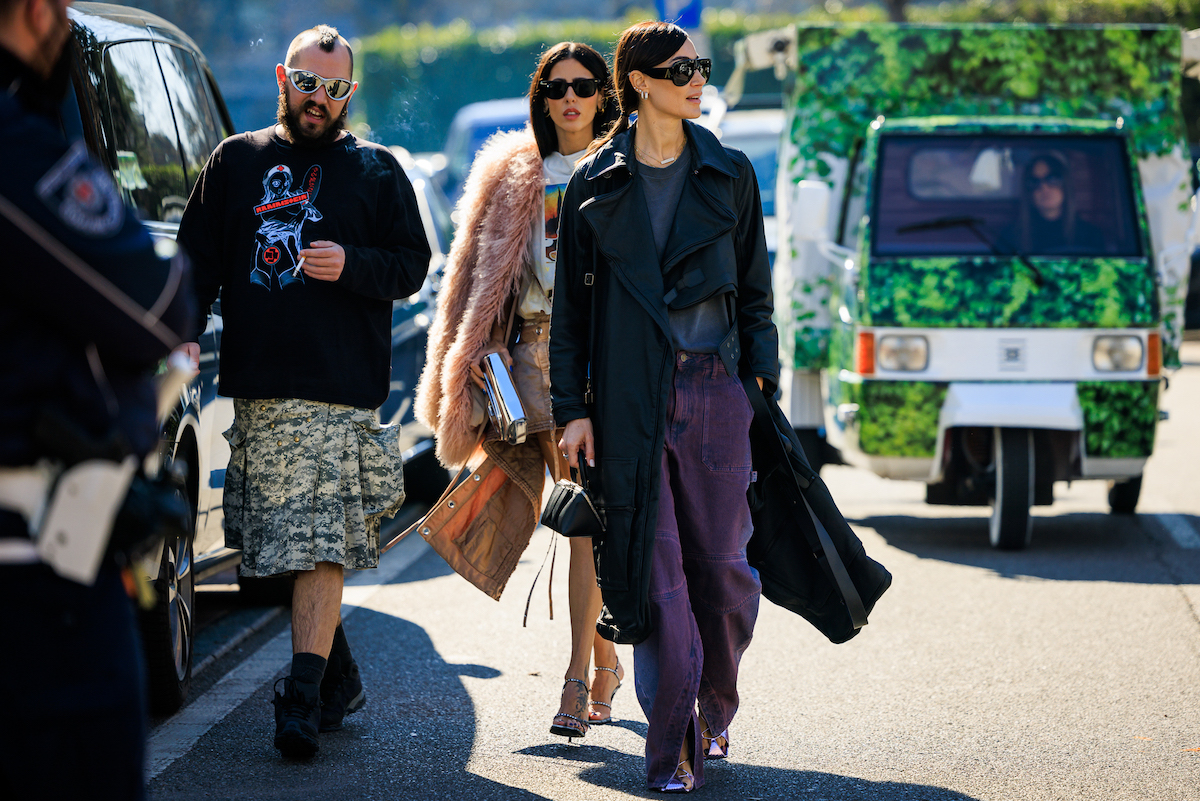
(595, 721)
(712, 747)
(570, 726)
(683, 781)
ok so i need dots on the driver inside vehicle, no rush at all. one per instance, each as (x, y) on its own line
(1048, 219)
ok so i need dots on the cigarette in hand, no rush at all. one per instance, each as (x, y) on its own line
(296, 269)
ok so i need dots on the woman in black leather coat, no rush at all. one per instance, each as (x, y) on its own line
(662, 305)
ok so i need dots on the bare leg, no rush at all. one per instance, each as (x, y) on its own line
(583, 597)
(604, 685)
(316, 608)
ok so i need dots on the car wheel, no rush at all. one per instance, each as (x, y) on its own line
(1011, 526)
(168, 629)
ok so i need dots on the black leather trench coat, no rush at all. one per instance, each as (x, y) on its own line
(610, 281)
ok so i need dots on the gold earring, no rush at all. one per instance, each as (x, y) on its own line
(546, 107)
(600, 104)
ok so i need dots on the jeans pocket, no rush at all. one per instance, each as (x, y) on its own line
(727, 416)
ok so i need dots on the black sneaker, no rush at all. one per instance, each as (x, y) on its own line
(297, 718)
(342, 697)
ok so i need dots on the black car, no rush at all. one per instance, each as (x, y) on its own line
(145, 101)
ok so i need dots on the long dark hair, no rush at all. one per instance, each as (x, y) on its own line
(606, 109)
(643, 45)
(1057, 166)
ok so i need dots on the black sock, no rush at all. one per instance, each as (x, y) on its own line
(308, 668)
(341, 647)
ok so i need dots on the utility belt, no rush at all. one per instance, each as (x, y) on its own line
(534, 329)
(68, 514)
(15, 546)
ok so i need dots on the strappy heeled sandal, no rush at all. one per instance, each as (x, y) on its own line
(569, 726)
(713, 747)
(683, 781)
(598, 721)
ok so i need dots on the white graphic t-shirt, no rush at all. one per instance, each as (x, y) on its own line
(539, 288)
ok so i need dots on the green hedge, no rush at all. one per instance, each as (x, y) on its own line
(415, 77)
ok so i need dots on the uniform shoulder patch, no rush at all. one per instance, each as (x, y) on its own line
(82, 194)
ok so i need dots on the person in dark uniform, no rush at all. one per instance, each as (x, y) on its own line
(87, 311)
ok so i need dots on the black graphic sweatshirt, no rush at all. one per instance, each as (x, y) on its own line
(257, 202)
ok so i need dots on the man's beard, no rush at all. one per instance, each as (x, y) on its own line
(290, 120)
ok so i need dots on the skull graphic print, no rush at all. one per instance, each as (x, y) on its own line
(283, 211)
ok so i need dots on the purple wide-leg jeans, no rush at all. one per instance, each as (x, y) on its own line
(703, 593)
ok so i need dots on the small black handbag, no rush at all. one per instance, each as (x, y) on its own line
(570, 510)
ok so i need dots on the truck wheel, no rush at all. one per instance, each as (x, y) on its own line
(1123, 495)
(168, 631)
(1011, 525)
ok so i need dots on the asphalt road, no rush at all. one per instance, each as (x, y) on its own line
(1067, 671)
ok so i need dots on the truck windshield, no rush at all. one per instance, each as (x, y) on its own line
(1033, 195)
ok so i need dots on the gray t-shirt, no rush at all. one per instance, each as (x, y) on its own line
(701, 327)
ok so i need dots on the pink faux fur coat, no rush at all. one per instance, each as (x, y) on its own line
(504, 195)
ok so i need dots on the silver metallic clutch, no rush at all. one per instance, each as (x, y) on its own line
(504, 404)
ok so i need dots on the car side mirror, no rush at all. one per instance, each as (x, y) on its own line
(810, 220)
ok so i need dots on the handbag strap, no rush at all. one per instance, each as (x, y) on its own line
(822, 546)
(584, 480)
(833, 563)
(512, 316)
(454, 482)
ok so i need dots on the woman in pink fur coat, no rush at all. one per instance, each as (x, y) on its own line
(502, 263)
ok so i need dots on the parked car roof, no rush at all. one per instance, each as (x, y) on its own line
(112, 23)
(470, 128)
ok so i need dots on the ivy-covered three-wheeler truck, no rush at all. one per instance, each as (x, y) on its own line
(986, 233)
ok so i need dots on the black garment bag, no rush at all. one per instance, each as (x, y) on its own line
(808, 558)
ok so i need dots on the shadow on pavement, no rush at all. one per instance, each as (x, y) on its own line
(429, 566)
(1067, 547)
(412, 739)
(739, 780)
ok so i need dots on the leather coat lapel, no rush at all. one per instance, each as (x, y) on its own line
(700, 218)
(621, 224)
(622, 232)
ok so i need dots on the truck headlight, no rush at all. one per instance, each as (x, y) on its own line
(1117, 354)
(908, 353)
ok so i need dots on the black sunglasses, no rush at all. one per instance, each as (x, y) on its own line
(681, 72)
(557, 88)
(309, 82)
(1032, 182)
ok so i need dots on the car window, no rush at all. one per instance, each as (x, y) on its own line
(763, 152)
(1038, 194)
(199, 133)
(149, 169)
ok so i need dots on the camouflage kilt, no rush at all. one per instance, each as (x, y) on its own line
(308, 482)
